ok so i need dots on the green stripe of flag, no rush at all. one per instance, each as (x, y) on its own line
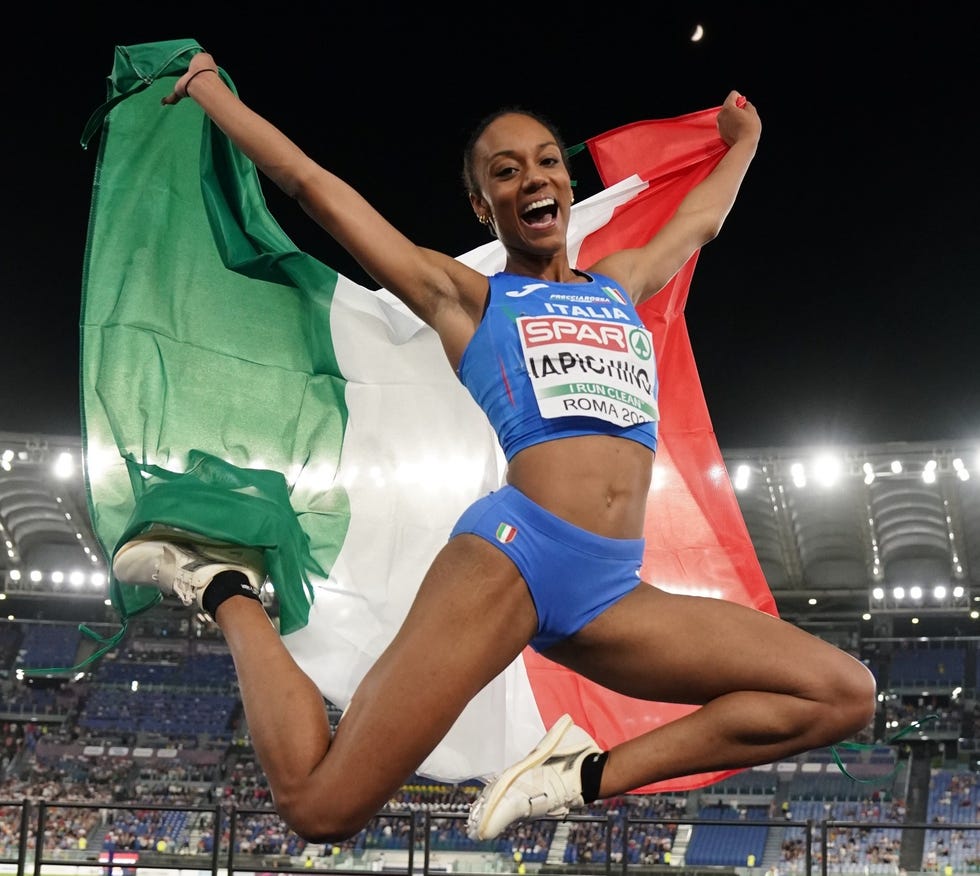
(205, 344)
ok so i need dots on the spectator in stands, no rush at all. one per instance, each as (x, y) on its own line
(564, 577)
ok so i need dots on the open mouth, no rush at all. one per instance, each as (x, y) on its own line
(540, 213)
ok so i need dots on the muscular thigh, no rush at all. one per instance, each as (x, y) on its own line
(689, 649)
(471, 617)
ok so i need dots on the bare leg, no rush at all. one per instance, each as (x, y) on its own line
(471, 617)
(768, 690)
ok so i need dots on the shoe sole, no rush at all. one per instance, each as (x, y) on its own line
(538, 755)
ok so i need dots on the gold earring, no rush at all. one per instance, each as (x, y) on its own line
(572, 201)
(484, 219)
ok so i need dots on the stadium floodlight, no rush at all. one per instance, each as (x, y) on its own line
(798, 474)
(64, 466)
(918, 600)
(827, 469)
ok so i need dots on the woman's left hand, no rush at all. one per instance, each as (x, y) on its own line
(738, 119)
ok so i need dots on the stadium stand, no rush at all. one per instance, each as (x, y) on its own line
(108, 761)
(116, 738)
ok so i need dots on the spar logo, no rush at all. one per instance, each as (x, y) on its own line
(589, 333)
(639, 342)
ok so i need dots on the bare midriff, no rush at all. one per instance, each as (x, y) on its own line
(596, 482)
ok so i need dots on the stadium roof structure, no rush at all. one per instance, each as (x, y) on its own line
(856, 541)
(880, 539)
(51, 563)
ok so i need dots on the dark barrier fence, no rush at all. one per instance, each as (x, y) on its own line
(35, 845)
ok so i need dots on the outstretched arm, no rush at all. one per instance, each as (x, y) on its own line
(439, 289)
(645, 270)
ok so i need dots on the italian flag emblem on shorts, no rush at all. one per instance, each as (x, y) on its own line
(506, 533)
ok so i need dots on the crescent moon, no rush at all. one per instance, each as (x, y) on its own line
(698, 33)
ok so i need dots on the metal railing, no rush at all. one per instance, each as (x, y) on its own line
(38, 851)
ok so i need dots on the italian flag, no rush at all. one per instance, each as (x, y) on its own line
(234, 385)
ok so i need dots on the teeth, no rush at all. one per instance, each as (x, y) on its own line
(546, 202)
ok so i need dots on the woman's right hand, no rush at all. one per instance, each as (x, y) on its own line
(201, 61)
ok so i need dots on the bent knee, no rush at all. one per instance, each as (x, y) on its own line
(850, 701)
(322, 821)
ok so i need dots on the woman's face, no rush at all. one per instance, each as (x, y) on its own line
(525, 184)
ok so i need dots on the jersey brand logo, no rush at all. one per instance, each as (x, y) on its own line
(527, 290)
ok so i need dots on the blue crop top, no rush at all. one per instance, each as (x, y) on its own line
(554, 360)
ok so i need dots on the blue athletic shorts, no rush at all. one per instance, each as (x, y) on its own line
(573, 574)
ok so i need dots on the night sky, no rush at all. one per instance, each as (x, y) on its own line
(839, 304)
